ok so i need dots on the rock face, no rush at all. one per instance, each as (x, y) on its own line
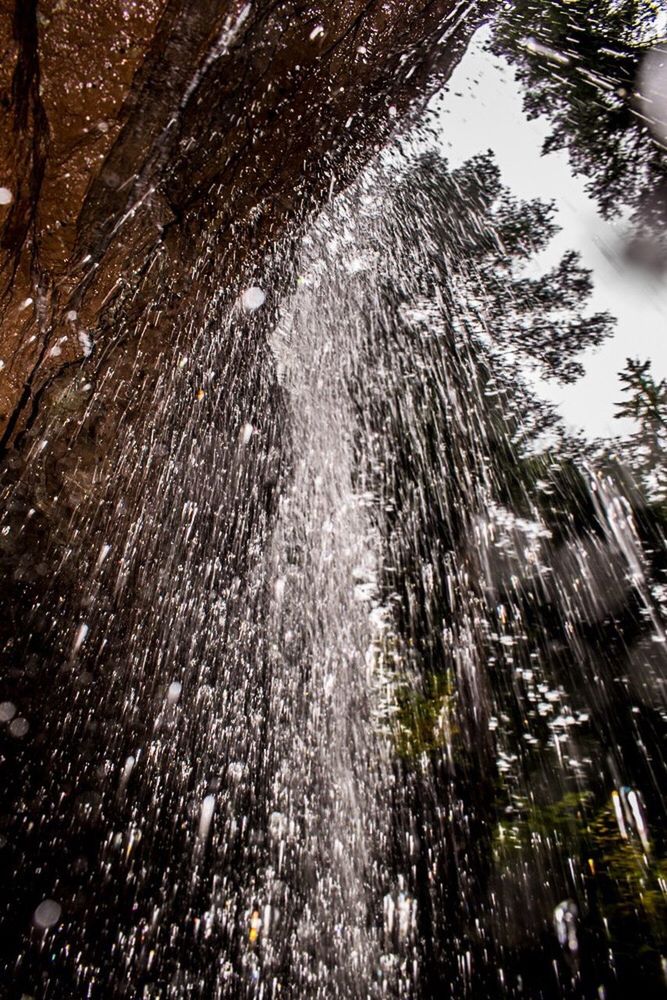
(136, 134)
(67, 69)
(155, 157)
(150, 153)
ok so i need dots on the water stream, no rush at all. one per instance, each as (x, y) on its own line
(361, 692)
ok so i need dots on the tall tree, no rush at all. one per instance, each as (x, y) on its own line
(488, 238)
(578, 63)
(645, 449)
(507, 584)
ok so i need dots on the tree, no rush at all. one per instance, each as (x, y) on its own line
(488, 238)
(444, 420)
(508, 587)
(463, 433)
(645, 450)
(578, 62)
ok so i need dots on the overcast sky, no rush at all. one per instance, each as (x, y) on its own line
(482, 110)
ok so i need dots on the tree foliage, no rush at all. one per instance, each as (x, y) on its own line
(578, 63)
(488, 238)
(462, 493)
(646, 447)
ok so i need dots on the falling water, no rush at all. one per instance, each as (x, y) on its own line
(323, 695)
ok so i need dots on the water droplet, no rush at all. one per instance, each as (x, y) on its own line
(206, 816)
(19, 727)
(127, 771)
(80, 637)
(565, 923)
(7, 711)
(47, 914)
(86, 343)
(174, 692)
(652, 91)
(253, 298)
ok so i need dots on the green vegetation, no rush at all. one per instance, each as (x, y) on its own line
(425, 720)
(623, 879)
(485, 237)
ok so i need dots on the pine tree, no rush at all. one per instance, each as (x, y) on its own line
(487, 238)
(646, 404)
(578, 62)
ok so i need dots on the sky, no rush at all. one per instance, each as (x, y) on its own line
(482, 109)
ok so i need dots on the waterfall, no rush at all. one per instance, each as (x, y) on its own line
(339, 691)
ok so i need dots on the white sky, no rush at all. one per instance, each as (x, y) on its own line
(482, 110)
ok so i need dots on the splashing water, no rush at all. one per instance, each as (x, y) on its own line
(362, 698)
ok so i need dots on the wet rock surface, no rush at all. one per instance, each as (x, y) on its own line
(158, 156)
(136, 134)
